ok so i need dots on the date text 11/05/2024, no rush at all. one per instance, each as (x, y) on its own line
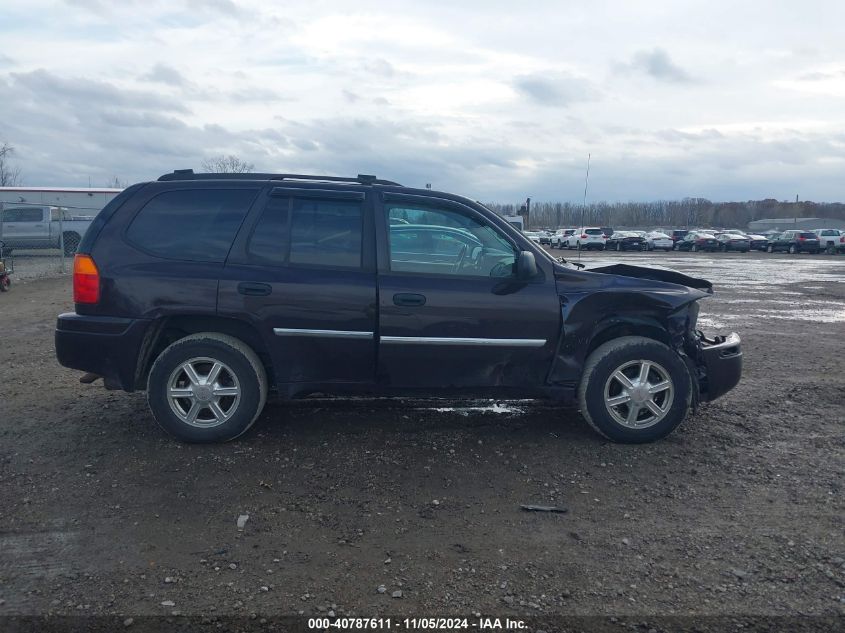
(440, 624)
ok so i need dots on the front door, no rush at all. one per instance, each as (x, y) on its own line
(303, 270)
(452, 314)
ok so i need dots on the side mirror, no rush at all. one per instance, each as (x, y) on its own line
(526, 265)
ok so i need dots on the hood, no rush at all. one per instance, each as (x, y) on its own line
(655, 274)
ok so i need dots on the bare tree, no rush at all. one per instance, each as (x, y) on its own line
(230, 164)
(10, 175)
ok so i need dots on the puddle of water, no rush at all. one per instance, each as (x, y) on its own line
(493, 408)
(815, 315)
(786, 302)
(733, 272)
(709, 323)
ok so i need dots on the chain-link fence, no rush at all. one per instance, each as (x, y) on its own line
(40, 240)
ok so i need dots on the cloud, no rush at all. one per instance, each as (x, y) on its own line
(88, 93)
(380, 67)
(554, 89)
(442, 93)
(821, 76)
(226, 7)
(657, 64)
(164, 74)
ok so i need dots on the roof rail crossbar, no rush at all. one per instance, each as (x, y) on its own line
(189, 174)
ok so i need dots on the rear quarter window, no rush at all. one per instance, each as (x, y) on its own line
(193, 225)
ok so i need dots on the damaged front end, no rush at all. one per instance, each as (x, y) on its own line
(717, 360)
(719, 363)
(714, 362)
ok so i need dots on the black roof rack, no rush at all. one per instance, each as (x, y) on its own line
(188, 174)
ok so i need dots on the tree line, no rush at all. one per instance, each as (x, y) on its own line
(686, 213)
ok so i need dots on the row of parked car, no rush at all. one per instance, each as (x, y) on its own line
(605, 238)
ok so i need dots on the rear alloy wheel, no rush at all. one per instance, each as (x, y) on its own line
(207, 387)
(694, 248)
(770, 249)
(792, 249)
(634, 390)
(618, 246)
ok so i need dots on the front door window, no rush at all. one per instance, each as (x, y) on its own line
(445, 242)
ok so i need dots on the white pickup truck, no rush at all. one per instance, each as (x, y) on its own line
(831, 240)
(32, 226)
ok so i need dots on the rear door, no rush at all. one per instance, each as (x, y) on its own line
(452, 314)
(302, 270)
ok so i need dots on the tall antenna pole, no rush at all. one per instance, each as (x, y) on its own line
(584, 205)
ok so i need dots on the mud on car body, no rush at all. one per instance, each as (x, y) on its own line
(214, 292)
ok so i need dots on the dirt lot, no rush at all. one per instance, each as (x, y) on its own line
(739, 512)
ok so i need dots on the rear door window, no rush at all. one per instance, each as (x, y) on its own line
(193, 225)
(326, 233)
(308, 232)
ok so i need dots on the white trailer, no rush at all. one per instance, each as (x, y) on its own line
(80, 201)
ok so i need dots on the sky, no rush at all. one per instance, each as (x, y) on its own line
(498, 101)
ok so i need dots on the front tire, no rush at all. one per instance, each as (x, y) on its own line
(207, 387)
(634, 390)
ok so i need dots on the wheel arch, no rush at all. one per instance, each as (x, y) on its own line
(167, 330)
(618, 327)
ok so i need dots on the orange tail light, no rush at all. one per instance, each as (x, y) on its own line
(86, 280)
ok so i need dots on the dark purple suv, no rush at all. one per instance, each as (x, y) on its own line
(213, 292)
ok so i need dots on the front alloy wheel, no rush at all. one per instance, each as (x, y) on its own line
(639, 394)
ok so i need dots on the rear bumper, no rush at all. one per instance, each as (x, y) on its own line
(105, 346)
(721, 364)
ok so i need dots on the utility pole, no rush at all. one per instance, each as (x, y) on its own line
(527, 212)
(584, 205)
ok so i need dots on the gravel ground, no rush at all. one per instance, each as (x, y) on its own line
(34, 264)
(408, 507)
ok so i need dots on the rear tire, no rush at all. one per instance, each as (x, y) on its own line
(186, 367)
(792, 249)
(600, 389)
(770, 249)
(694, 248)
